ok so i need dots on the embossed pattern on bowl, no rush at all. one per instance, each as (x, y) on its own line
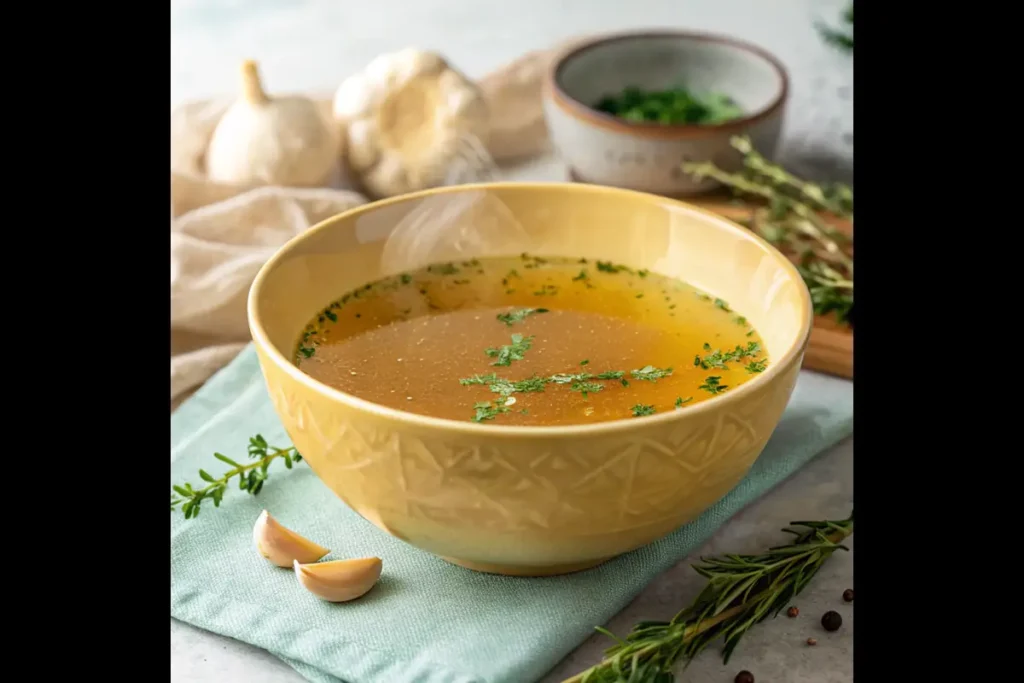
(532, 500)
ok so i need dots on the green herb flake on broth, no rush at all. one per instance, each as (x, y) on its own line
(519, 315)
(510, 352)
(436, 342)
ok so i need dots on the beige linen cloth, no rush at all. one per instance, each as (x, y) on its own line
(222, 234)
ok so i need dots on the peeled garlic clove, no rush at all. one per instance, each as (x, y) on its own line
(340, 580)
(281, 545)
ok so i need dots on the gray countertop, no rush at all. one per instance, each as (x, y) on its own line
(311, 45)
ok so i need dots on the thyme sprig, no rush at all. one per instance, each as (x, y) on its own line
(250, 476)
(791, 219)
(742, 591)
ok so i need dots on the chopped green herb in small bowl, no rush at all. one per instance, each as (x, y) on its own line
(628, 110)
(671, 107)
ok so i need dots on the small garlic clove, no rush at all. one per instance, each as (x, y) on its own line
(281, 545)
(340, 580)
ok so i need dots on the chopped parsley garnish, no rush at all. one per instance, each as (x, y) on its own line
(443, 269)
(546, 290)
(611, 374)
(519, 315)
(756, 366)
(609, 267)
(582, 276)
(510, 352)
(511, 274)
(724, 306)
(717, 359)
(640, 410)
(712, 386)
(680, 402)
(670, 106)
(586, 388)
(740, 320)
(583, 382)
(488, 410)
(650, 373)
(478, 379)
(507, 387)
(584, 362)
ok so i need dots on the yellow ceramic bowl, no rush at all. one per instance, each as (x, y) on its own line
(529, 500)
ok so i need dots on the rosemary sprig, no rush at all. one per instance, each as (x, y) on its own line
(742, 590)
(250, 476)
(791, 220)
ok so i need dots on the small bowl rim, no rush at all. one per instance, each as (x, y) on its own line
(607, 428)
(585, 112)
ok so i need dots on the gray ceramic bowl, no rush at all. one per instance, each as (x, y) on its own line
(607, 150)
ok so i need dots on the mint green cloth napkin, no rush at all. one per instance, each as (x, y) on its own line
(426, 621)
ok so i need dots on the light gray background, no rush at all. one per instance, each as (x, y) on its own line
(314, 44)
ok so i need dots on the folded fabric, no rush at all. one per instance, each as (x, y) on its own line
(426, 621)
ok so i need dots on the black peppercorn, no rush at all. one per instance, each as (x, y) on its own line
(848, 595)
(744, 677)
(831, 621)
(792, 612)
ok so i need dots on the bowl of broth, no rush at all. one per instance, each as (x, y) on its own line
(529, 378)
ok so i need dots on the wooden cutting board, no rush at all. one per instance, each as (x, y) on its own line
(831, 347)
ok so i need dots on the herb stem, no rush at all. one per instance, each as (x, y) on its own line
(251, 476)
(688, 633)
(780, 177)
(793, 219)
(272, 455)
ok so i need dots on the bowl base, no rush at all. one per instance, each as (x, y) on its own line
(526, 570)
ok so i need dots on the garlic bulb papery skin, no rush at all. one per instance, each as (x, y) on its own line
(412, 122)
(264, 140)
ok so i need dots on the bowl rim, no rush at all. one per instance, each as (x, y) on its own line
(586, 113)
(611, 427)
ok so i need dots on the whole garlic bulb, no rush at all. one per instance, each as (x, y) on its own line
(412, 122)
(263, 140)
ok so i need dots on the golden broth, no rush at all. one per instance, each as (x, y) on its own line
(531, 341)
